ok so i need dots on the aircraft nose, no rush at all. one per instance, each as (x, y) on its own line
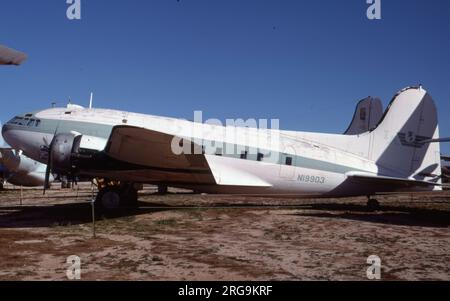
(5, 129)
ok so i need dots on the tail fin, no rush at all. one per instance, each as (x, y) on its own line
(367, 115)
(396, 143)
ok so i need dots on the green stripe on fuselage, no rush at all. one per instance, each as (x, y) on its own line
(48, 126)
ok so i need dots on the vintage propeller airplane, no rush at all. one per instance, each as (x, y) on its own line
(16, 168)
(124, 150)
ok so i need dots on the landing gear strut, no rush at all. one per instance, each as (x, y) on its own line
(162, 189)
(372, 204)
(113, 195)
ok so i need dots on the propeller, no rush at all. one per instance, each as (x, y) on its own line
(49, 167)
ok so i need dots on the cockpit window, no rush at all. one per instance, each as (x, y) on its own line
(17, 120)
(31, 122)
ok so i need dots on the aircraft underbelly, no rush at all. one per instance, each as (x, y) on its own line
(240, 177)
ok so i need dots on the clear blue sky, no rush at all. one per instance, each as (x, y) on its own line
(304, 62)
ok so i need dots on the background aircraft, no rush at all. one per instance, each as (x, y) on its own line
(19, 170)
(16, 168)
(367, 115)
(9, 56)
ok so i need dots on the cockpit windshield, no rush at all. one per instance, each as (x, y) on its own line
(28, 122)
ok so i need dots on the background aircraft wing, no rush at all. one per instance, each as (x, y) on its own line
(10, 56)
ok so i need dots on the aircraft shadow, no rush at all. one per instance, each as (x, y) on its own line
(80, 213)
(61, 215)
(392, 215)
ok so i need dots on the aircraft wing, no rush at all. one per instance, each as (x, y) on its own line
(10, 56)
(144, 147)
(153, 150)
(373, 179)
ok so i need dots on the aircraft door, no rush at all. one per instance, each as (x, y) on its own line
(287, 163)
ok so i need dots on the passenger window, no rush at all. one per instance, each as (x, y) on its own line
(289, 161)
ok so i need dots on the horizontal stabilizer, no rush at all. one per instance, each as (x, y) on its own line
(369, 178)
(440, 140)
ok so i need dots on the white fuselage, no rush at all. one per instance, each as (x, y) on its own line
(299, 163)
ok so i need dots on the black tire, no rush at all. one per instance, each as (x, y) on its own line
(113, 198)
(373, 205)
(129, 197)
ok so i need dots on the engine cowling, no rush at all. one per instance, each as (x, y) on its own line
(68, 148)
(61, 153)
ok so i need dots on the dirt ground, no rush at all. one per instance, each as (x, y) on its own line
(183, 236)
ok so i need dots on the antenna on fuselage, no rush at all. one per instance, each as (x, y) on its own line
(90, 101)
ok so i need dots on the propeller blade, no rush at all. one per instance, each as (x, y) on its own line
(47, 173)
(48, 170)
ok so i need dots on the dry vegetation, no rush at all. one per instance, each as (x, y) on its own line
(183, 236)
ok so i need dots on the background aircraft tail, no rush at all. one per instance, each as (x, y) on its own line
(367, 115)
(396, 144)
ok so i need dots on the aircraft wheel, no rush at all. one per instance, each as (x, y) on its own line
(109, 199)
(129, 197)
(373, 205)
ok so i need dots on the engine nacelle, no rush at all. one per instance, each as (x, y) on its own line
(61, 153)
(68, 148)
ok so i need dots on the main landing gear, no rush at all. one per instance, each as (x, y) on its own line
(114, 194)
(372, 204)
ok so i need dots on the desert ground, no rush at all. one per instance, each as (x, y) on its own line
(185, 236)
